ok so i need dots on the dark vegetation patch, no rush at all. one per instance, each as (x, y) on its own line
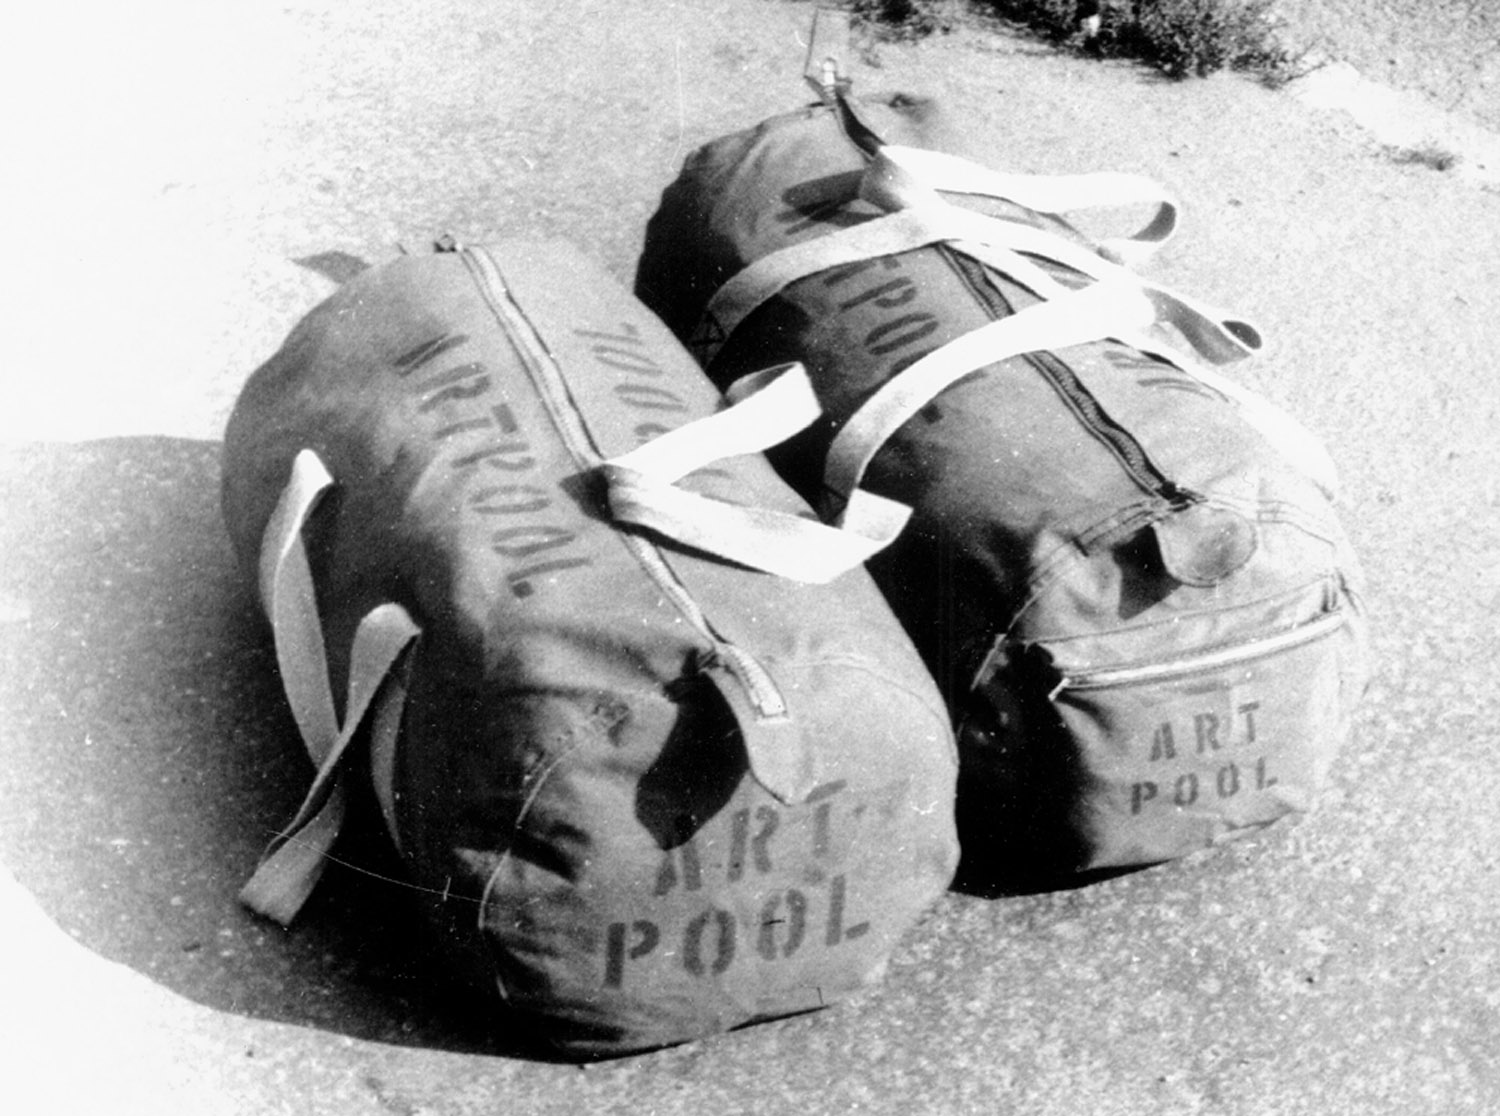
(1181, 38)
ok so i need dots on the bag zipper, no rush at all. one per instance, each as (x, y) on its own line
(1309, 632)
(1129, 452)
(547, 377)
(1131, 455)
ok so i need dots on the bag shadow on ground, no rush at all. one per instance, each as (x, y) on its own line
(147, 757)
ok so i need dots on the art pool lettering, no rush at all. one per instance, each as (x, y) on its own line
(1203, 734)
(1197, 737)
(798, 216)
(1188, 788)
(750, 842)
(891, 289)
(621, 348)
(484, 439)
(753, 840)
(710, 941)
(1209, 732)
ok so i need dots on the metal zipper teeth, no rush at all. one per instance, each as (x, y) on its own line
(761, 689)
(1123, 445)
(1124, 676)
(1119, 441)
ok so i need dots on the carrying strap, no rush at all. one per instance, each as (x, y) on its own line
(902, 177)
(640, 483)
(1216, 336)
(768, 408)
(296, 858)
(1092, 314)
(923, 218)
(1213, 334)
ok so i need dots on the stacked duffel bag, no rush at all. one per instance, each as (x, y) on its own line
(657, 756)
(1124, 570)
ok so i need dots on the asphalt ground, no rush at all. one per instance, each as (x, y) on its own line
(171, 168)
(1446, 50)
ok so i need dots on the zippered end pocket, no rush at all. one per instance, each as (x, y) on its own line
(1160, 758)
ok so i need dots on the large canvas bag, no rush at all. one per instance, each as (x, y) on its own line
(647, 790)
(1123, 568)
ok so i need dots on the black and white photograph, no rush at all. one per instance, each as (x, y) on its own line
(751, 558)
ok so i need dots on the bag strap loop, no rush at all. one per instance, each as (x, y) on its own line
(901, 177)
(1216, 336)
(296, 858)
(907, 180)
(768, 408)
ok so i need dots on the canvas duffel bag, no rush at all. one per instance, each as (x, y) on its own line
(1123, 568)
(647, 790)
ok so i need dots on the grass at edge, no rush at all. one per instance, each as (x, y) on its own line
(1181, 38)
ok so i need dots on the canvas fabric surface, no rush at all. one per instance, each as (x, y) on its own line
(1124, 569)
(645, 793)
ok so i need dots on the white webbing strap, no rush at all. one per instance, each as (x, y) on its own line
(909, 178)
(285, 588)
(1216, 336)
(901, 177)
(1008, 246)
(766, 277)
(296, 858)
(1075, 318)
(1213, 335)
(385, 732)
(769, 408)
